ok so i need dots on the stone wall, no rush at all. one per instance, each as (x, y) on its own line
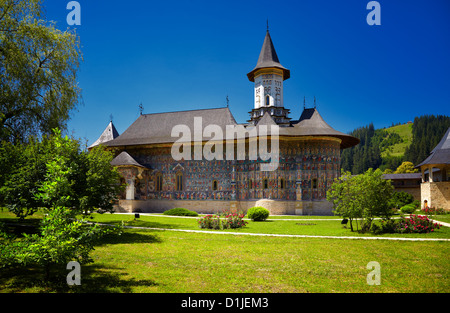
(437, 194)
(275, 207)
(413, 191)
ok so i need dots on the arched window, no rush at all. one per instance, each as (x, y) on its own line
(314, 183)
(158, 181)
(265, 183)
(267, 100)
(179, 181)
(250, 184)
(282, 183)
(214, 185)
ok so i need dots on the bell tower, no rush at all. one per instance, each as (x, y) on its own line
(268, 77)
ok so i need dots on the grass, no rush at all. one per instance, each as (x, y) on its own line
(159, 261)
(313, 226)
(405, 132)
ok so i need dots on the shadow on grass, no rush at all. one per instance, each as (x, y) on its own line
(143, 223)
(94, 279)
(130, 236)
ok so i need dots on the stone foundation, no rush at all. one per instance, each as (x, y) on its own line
(275, 207)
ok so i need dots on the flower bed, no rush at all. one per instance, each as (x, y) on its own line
(416, 224)
(433, 211)
(413, 224)
(232, 220)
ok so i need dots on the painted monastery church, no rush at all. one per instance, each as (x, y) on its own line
(308, 156)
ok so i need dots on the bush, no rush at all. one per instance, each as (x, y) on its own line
(234, 220)
(210, 222)
(400, 199)
(180, 212)
(416, 224)
(408, 209)
(258, 213)
(386, 226)
(416, 203)
(433, 211)
(413, 224)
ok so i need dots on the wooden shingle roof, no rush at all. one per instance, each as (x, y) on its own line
(268, 59)
(441, 153)
(125, 159)
(110, 133)
(157, 128)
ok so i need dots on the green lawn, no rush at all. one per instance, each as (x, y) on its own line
(167, 261)
(312, 225)
(405, 132)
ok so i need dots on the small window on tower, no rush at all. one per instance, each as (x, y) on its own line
(314, 183)
(214, 185)
(265, 183)
(267, 100)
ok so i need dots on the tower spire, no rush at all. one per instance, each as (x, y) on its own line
(268, 58)
(268, 76)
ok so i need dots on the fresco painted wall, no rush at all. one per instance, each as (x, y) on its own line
(309, 164)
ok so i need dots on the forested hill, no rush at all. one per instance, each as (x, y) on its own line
(387, 148)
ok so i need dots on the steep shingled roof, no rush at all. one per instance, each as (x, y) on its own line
(157, 127)
(266, 120)
(268, 58)
(441, 153)
(124, 159)
(311, 123)
(108, 134)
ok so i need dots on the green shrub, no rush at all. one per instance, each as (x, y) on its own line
(408, 209)
(416, 224)
(400, 199)
(232, 220)
(258, 213)
(433, 211)
(413, 224)
(180, 212)
(384, 226)
(210, 222)
(416, 203)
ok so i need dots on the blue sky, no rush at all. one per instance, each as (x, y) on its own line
(185, 55)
